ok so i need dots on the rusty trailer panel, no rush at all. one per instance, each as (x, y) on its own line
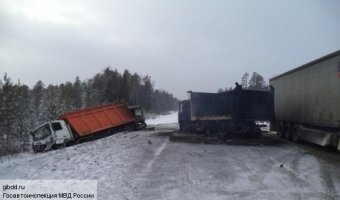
(92, 120)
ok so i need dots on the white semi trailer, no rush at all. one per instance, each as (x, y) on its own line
(307, 102)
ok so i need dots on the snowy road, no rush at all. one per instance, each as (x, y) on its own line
(152, 165)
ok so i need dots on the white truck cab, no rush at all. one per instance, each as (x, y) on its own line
(51, 134)
(137, 111)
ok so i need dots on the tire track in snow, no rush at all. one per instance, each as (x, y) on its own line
(136, 184)
(156, 154)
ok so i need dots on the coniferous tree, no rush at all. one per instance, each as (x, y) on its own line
(147, 90)
(65, 101)
(52, 102)
(22, 122)
(125, 86)
(135, 89)
(7, 110)
(111, 85)
(38, 111)
(77, 101)
(90, 94)
(14, 117)
(22, 108)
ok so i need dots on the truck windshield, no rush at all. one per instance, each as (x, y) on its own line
(42, 132)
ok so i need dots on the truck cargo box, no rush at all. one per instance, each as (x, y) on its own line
(91, 120)
(236, 104)
(226, 114)
(310, 94)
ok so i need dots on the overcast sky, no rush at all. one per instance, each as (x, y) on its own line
(198, 45)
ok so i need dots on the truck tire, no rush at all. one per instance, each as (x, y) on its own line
(288, 132)
(35, 150)
(295, 133)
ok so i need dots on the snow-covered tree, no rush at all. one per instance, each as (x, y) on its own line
(14, 117)
(22, 122)
(125, 86)
(38, 109)
(147, 90)
(7, 109)
(52, 102)
(22, 108)
(77, 101)
(135, 89)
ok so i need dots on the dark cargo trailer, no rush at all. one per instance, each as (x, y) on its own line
(230, 113)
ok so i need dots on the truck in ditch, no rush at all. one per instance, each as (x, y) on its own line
(73, 127)
(226, 114)
(307, 102)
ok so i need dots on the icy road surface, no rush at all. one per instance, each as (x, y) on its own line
(152, 165)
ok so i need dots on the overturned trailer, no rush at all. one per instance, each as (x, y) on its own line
(231, 113)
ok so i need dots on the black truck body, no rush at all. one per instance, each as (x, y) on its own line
(230, 113)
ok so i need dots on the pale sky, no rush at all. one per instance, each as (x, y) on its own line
(198, 45)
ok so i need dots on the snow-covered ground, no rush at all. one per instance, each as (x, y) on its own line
(164, 119)
(153, 165)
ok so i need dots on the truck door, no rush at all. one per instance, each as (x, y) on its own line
(184, 113)
(138, 113)
(62, 134)
(41, 137)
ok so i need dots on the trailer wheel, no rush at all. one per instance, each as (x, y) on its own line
(281, 130)
(288, 132)
(295, 133)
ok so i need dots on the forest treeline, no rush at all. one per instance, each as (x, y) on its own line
(255, 82)
(23, 108)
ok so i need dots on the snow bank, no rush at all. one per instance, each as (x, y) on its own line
(164, 119)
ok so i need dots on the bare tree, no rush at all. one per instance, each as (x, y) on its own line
(257, 82)
(244, 80)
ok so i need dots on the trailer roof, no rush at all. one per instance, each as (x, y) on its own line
(336, 53)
